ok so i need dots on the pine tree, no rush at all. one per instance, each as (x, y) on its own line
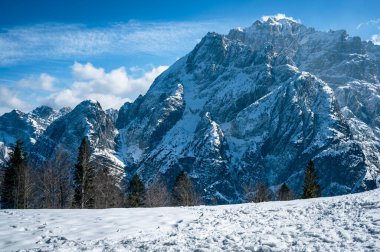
(284, 193)
(183, 192)
(84, 178)
(15, 186)
(136, 192)
(311, 188)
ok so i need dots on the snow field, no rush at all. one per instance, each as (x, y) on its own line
(343, 223)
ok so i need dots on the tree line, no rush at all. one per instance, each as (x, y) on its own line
(56, 184)
(260, 192)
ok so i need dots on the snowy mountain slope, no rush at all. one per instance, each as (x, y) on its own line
(254, 106)
(27, 127)
(302, 120)
(350, 67)
(341, 223)
(66, 133)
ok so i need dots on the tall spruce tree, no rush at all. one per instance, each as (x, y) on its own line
(311, 188)
(136, 192)
(183, 193)
(14, 189)
(84, 178)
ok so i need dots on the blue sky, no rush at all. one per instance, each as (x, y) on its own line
(60, 52)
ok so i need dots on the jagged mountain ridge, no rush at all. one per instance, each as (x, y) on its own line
(48, 133)
(27, 127)
(242, 107)
(349, 66)
(65, 134)
(251, 106)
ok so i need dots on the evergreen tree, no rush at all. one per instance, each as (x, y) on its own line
(183, 192)
(311, 189)
(136, 192)
(84, 178)
(284, 193)
(15, 186)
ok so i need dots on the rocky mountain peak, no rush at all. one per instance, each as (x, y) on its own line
(43, 111)
(65, 110)
(256, 105)
(88, 105)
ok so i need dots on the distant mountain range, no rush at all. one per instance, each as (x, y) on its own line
(251, 106)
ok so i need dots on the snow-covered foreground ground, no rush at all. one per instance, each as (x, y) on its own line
(345, 223)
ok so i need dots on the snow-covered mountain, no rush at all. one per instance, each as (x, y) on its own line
(348, 65)
(257, 105)
(27, 127)
(251, 106)
(46, 132)
(89, 120)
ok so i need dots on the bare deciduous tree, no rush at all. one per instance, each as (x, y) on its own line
(257, 192)
(183, 193)
(262, 193)
(157, 195)
(53, 189)
(107, 191)
(248, 189)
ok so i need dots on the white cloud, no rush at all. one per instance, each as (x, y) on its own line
(112, 89)
(64, 98)
(370, 30)
(10, 100)
(279, 16)
(43, 82)
(47, 81)
(87, 71)
(376, 39)
(368, 23)
(75, 41)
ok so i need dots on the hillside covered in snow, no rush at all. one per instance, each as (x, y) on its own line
(341, 223)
